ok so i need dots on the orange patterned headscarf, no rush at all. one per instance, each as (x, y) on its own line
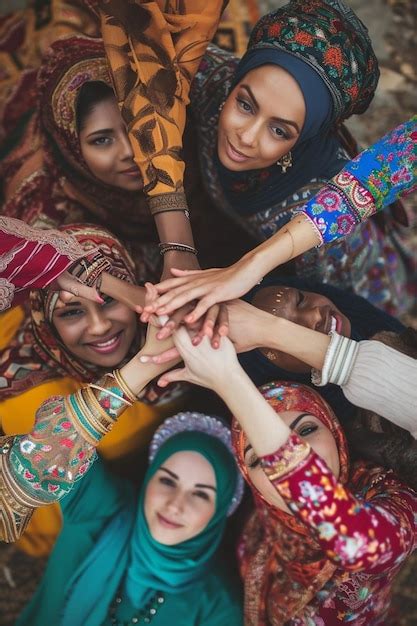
(282, 565)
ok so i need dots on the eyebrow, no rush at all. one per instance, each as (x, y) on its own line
(276, 119)
(101, 131)
(298, 419)
(165, 469)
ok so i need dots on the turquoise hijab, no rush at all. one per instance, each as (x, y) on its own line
(127, 556)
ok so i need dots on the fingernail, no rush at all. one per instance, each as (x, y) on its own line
(215, 345)
(100, 299)
(144, 359)
(189, 318)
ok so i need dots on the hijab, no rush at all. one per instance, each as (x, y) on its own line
(47, 180)
(281, 562)
(127, 556)
(37, 353)
(324, 46)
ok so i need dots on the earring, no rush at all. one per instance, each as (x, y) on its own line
(221, 106)
(285, 162)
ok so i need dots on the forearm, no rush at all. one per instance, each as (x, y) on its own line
(264, 429)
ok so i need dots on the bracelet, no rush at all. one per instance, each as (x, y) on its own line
(179, 247)
(164, 210)
(172, 200)
(118, 377)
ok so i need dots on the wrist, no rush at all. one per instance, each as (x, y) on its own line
(181, 260)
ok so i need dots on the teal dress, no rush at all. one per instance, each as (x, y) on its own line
(214, 600)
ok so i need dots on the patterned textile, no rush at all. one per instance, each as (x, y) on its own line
(31, 258)
(374, 179)
(333, 560)
(37, 354)
(46, 180)
(24, 37)
(369, 261)
(154, 49)
(330, 37)
(235, 25)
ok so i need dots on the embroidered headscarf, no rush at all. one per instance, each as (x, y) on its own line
(127, 556)
(281, 563)
(327, 50)
(47, 180)
(37, 353)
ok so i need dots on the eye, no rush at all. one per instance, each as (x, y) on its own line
(252, 461)
(70, 313)
(307, 429)
(300, 298)
(243, 105)
(165, 480)
(203, 495)
(102, 141)
(107, 300)
(280, 133)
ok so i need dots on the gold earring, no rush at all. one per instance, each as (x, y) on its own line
(285, 162)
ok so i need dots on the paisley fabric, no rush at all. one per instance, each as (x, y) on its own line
(333, 560)
(368, 183)
(154, 49)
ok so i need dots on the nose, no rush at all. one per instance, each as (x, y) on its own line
(98, 323)
(248, 133)
(126, 151)
(175, 503)
(314, 318)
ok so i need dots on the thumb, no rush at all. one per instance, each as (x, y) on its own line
(178, 272)
(173, 376)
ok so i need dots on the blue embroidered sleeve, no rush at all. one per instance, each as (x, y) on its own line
(367, 184)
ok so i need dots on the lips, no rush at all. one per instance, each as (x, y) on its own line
(107, 344)
(235, 155)
(132, 171)
(166, 523)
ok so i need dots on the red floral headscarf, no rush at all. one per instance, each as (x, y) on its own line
(281, 563)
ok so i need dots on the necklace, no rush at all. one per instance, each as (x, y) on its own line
(145, 615)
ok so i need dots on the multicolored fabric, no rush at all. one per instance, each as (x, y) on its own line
(37, 354)
(372, 263)
(46, 180)
(333, 560)
(24, 37)
(154, 49)
(31, 258)
(367, 184)
(330, 37)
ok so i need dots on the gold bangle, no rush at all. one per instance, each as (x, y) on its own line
(124, 386)
(100, 418)
(110, 393)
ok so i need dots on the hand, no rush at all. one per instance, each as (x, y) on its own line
(249, 328)
(204, 366)
(210, 287)
(132, 296)
(70, 286)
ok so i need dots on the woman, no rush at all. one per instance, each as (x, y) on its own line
(125, 557)
(327, 537)
(376, 177)
(63, 344)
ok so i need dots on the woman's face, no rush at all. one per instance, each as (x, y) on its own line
(100, 334)
(306, 308)
(261, 119)
(314, 432)
(180, 498)
(106, 148)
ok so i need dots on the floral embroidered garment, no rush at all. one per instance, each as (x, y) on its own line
(367, 184)
(31, 258)
(333, 559)
(367, 535)
(41, 467)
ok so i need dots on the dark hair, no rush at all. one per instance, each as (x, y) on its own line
(374, 438)
(91, 93)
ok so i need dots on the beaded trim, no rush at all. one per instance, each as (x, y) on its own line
(146, 614)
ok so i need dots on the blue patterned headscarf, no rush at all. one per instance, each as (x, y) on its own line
(327, 50)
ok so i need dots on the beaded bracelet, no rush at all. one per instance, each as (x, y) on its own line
(179, 247)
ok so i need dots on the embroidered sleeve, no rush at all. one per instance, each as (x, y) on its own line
(367, 184)
(357, 534)
(42, 467)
